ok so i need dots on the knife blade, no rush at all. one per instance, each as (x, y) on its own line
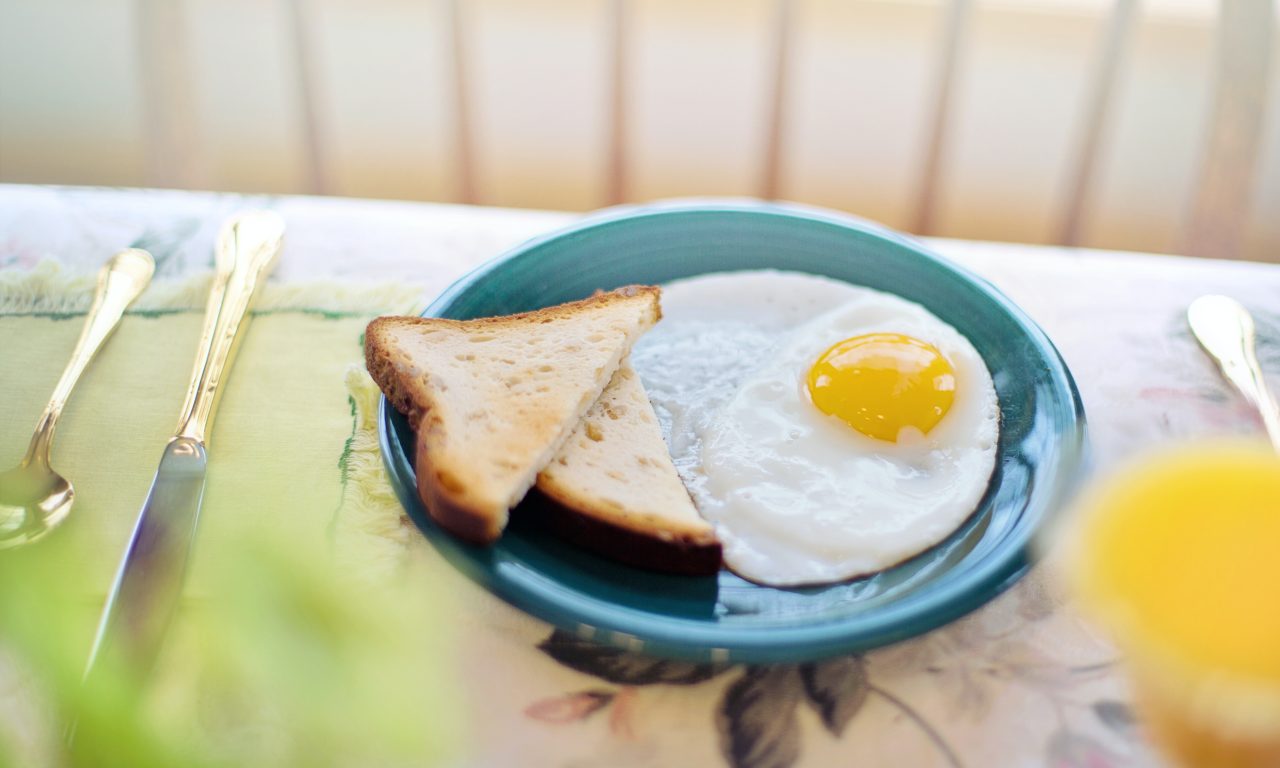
(148, 583)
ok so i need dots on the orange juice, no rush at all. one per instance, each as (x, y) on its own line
(1179, 558)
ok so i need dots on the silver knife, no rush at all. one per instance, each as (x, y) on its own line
(148, 584)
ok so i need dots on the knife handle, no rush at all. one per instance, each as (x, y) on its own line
(248, 248)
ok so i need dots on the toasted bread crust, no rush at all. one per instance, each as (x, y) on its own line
(455, 512)
(616, 469)
(454, 506)
(685, 556)
(382, 368)
(452, 511)
(690, 533)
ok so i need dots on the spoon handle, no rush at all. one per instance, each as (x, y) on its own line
(120, 281)
(247, 250)
(1225, 330)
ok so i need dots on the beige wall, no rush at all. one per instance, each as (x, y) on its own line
(73, 106)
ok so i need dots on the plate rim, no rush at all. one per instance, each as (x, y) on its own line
(688, 639)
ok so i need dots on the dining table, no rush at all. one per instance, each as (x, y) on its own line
(1024, 680)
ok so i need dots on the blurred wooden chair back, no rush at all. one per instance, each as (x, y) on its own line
(1226, 174)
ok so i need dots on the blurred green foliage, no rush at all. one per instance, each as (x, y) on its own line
(285, 662)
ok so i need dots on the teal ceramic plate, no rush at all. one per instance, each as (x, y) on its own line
(726, 618)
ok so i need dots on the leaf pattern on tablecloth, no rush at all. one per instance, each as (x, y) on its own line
(757, 718)
(570, 708)
(623, 667)
(1036, 600)
(969, 661)
(1116, 715)
(965, 664)
(1071, 749)
(837, 689)
(1267, 333)
(163, 243)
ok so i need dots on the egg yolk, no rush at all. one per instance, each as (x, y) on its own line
(881, 382)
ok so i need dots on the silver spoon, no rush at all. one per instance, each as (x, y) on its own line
(34, 499)
(1225, 329)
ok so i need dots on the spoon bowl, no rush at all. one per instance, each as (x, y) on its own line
(34, 499)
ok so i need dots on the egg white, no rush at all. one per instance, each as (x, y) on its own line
(797, 496)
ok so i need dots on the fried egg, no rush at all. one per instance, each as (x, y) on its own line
(827, 431)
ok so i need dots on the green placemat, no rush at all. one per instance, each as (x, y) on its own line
(290, 473)
(278, 437)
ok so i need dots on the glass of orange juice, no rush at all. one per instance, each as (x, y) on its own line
(1178, 557)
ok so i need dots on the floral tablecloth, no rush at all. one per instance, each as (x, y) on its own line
(1021, 681)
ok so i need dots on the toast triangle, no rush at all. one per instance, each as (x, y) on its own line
(494, 399)
(616, 490)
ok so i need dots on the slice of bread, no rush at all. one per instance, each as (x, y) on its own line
(494, 399)
(615, 490)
